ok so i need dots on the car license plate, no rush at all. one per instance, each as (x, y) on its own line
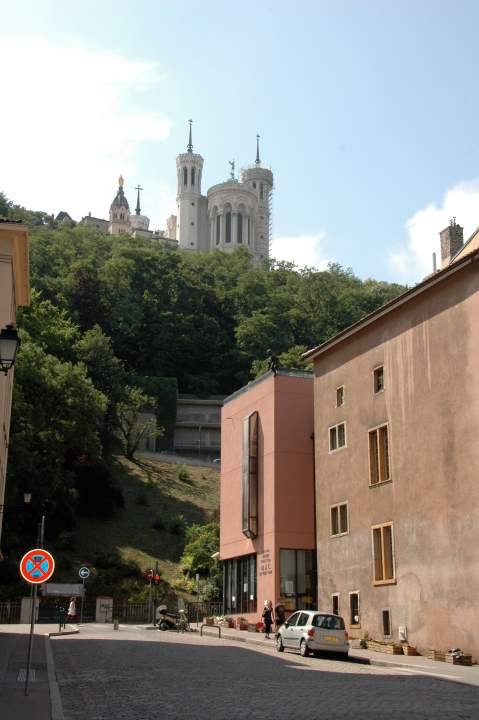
(331, 638)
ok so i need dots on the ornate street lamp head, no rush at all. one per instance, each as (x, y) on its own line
(9, 344)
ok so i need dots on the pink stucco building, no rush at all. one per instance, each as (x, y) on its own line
(267, 506)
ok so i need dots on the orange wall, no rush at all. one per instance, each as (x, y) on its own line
(285, 474)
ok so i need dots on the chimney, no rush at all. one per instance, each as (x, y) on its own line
(452, 240)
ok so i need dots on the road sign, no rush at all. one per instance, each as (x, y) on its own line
(37, 566)
(84, 573)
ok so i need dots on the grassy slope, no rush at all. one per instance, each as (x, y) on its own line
(130, 532)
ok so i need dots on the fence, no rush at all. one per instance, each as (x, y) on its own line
(10, 611)
(201, 610)
(132, 612)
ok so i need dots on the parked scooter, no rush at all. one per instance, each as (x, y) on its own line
(168, 620)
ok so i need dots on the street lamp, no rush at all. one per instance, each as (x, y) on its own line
(9, 344)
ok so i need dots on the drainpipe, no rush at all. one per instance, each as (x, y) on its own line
(314, 517)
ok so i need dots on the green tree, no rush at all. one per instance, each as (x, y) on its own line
(202, 542)
(132, 427)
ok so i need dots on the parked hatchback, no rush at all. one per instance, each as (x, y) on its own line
(313, 631)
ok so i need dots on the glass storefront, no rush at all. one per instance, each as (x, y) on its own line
(239, 585)
(298, 579)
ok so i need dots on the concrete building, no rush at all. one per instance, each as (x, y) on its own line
(267, 506)
(14, 291)
(397, 452)
(197, 428)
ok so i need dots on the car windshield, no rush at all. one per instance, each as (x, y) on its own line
(328, 622)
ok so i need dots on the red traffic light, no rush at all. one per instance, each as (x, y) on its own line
(157, 579)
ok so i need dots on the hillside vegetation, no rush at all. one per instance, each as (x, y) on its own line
(116, 323)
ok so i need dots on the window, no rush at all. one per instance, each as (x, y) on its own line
(386, 623)
(185, 176)
(261, 191)
(337, 437)
(218, 229)
(250, 476)
(378, 379)
(354, 608)
(379, 455)
(339, 519)
(293, 620)
(340, 396)
(192, 223)
(335, 598)
(240, 227)
(328, 622)
(297, 579)
(254, 185)
(383, 554)
(239, 583)
(228, 228)
(303, 620)
(193, 172)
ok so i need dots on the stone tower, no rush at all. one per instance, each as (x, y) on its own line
(260, 178)
(119, 212)
(189, 168)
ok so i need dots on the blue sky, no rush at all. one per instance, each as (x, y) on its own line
(367, 113)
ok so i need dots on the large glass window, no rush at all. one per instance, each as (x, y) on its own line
(250, 476)
(298, 579)
(239, 580)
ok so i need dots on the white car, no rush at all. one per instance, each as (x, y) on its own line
(313, 631)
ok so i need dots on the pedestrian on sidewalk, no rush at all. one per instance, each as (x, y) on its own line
(72, 610)
(268, 618)
(280, 615)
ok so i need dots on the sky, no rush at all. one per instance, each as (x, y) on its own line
(367, 112)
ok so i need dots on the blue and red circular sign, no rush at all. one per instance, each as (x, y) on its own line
(37, 566)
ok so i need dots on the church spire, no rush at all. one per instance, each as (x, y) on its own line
(190, 141)
(138, 208)
(257, 161)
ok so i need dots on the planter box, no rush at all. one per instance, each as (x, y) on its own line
(463, 660)
(436, 655)
(389, 648)
(242, 626)
(252, 627)
(409, 650)
(208, 621)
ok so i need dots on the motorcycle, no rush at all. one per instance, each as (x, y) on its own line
(168, 620)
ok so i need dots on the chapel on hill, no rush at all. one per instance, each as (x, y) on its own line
(236, 212)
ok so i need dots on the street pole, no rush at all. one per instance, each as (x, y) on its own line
(149, 600)
(82, 601)
(197, 597)
(41, 536)
(156, 594)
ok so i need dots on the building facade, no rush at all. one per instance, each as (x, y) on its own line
(397, 452)
(267, 541)
(14, 292)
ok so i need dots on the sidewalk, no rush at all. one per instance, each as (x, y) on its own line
(14, 705)
(418, 664)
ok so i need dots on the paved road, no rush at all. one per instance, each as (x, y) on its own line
(146, 675)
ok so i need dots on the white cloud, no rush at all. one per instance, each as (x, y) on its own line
(70, 124)
(304, 250)
(414, 261)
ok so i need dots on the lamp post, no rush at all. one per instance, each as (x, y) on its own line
(9, 344)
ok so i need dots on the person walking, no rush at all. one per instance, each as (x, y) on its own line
(72, 610)
(267, 617)
(280, 615)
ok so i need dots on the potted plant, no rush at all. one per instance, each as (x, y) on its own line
(209, 620)
(241, 623)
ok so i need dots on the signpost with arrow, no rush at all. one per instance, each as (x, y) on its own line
(84, 574)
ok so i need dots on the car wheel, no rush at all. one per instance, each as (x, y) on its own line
(279, 644)
(303, 649)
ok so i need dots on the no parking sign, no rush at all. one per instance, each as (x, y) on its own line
(37, 566)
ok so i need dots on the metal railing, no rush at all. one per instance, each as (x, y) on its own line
(10, 611)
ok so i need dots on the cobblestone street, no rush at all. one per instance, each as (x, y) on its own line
(146, 674)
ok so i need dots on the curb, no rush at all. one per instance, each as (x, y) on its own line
(55, 698)
(61, 634)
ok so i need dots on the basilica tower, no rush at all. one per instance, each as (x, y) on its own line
(260, 178)
(119, 212)
(189, 168)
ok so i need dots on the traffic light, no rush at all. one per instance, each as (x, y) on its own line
(156, 579)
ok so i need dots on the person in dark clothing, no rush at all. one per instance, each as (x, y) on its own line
(268, 618)
(280, 615)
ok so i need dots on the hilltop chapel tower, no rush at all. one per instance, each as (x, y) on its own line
(119, 212)
(191, 221)
(234, 213)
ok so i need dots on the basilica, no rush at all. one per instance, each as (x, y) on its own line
(234, 213)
